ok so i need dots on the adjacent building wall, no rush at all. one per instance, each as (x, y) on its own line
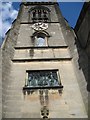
(82, 29)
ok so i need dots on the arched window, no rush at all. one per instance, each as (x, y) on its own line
(39, 14)
(40, 39)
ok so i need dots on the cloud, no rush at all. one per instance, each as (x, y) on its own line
(5, 27)
(7, 15)
(14, 14)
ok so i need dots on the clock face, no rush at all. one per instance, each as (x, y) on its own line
(40, 26)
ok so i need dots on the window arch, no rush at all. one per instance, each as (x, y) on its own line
(40, 39)
(39, 14)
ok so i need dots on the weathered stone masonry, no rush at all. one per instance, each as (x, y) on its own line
(20, 55)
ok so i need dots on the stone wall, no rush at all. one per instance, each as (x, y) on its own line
(80, 60)
(82, 29)
(42, 53)
(0, 85)
(26, 31)
(28, 105)
(7, 54)
(14, 72)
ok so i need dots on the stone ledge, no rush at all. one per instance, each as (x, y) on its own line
(43, 47)
(46, 59)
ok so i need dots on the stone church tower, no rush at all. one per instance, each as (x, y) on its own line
(40, 72)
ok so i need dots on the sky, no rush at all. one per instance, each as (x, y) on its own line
(9, 12)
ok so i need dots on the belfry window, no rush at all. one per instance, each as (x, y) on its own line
(42, 78)
(34, 14)
(40, 14)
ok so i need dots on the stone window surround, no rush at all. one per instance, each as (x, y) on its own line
(42, 34)
(39, 14)
(53, 71)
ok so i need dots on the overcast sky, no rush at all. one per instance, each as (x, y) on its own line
(9, 11)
